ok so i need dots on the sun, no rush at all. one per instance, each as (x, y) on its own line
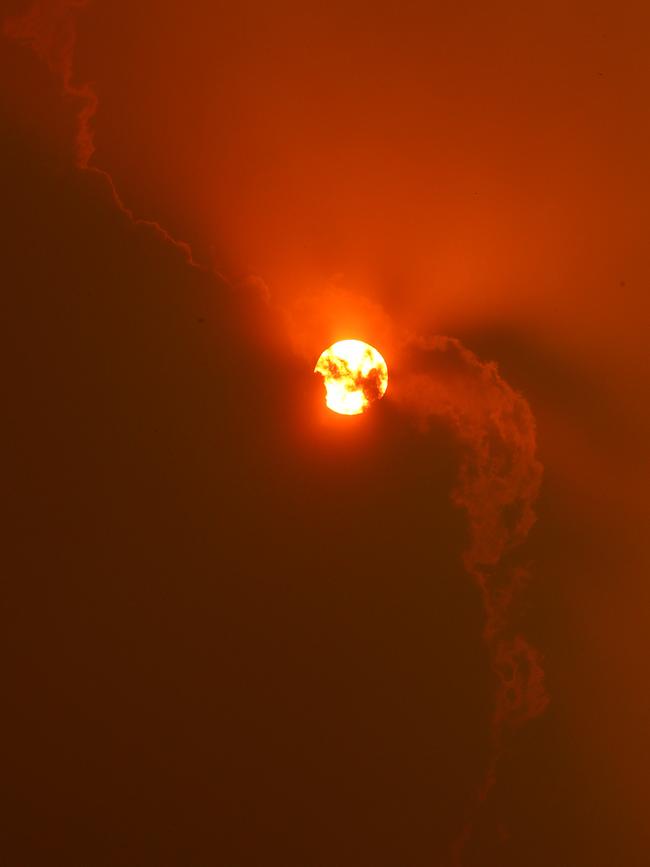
(355, 375)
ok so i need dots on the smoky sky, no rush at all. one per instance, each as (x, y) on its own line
(238, 629)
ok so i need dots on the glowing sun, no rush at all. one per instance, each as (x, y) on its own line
(355, 375)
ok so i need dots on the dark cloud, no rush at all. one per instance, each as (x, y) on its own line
(223, 628)
(498, 482)
(240, 630)
(49, 28)
(151, 404)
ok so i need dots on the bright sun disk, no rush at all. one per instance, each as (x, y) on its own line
(355, 374)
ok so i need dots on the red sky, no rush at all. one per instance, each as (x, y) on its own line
(214, 589)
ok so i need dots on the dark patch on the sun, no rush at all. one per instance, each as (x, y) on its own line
(336, 367)
(371, 384)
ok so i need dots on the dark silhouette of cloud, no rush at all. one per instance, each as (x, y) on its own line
(226, 485)
(498, 483)
(49, 28)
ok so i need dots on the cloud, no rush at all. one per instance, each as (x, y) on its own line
(49, 29)
(439, 379)
(497, 484)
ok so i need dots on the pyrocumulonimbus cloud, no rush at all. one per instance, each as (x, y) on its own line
(49, 28)
(499, 474)
(497, 484)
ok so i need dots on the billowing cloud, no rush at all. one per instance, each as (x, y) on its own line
(497, 485)
(49, 28)
(436, 379)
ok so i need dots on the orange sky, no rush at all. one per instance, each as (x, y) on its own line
(471, 168)
(401, 171)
